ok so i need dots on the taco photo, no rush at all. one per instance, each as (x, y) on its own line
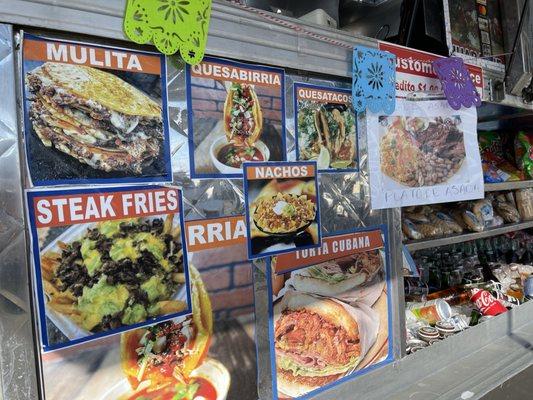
(94, 124)
(326, 131)
(169, 360)
(235, 116)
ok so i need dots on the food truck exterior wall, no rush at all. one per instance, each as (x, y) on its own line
(258, 40)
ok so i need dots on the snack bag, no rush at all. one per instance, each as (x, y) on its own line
(524, 202)
(495, 167)
(524, 153)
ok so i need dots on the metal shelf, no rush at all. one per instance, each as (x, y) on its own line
(493, 187)
(442, 241)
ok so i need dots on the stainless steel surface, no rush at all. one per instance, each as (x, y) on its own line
(234, 32)
(429, 243)
(239, 34)
(17, 359)
(493, 187)
(464, 366)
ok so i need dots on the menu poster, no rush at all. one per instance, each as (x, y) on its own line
(330, 318)
(236, 113)
(282, 209)
(424, 153)
(325, 126)
(208, 355)
(94, 114)
(415, 73)
(106, 260)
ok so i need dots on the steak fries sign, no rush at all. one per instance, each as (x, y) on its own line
(107, 260)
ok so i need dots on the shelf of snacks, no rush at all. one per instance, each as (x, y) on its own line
(440, 224)
(506, 159)
(442, 241)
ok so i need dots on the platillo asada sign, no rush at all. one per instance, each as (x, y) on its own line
(107, 260)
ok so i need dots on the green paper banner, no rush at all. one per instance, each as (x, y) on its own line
(171, 25)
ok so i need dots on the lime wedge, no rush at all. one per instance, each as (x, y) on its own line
(323, 158)
(341, 164)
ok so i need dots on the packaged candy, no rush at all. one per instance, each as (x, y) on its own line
(495, 167)
(472, 221)
(483, 211)
(506, 209)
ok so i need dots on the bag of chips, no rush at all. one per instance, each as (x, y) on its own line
(523, 149)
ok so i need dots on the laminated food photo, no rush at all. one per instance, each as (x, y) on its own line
(162, 361)
(236, 115)
(421, 151)
(94, 114)
(326, 127)
(208, 355)
(424, 153)
(330, 319)
(283, 213)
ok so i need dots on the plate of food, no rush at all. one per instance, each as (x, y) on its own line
(243, 125)
(169, 361)
(96, 118)
(103, 276)
(421, 151)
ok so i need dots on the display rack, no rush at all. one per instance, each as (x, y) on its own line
(494, 187)
(239, 34)
(443, 241)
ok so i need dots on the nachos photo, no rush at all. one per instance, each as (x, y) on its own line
(87, 122)
(283, 213)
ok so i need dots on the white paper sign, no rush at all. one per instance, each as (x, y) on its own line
(424, 153)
